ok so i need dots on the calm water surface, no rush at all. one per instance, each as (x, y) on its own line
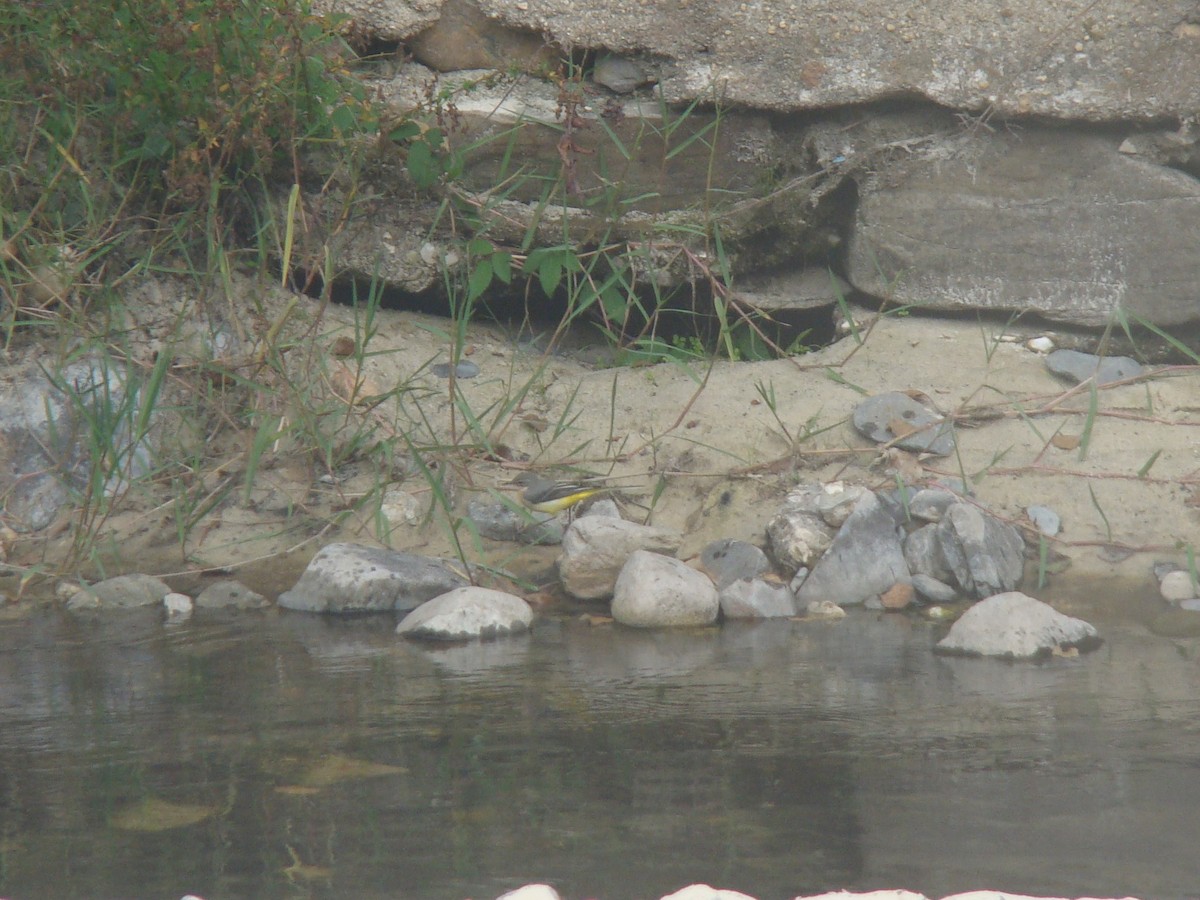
(285, 755)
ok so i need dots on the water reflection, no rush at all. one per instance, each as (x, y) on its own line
(275, 755)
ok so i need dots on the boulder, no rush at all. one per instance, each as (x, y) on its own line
(467, 613)
(864, 560)
(1016, 626)
(655, 591)
(1047, 220)
(756, 598)
(228, 593)
(596, 547)
(985, 555)
(351, 578)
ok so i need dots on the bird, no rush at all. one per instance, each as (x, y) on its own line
(545, 495)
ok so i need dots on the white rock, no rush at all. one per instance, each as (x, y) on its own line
(531, 892)
(595, 548)
(178, 606)
(654, 590)
(1017, 626)
(1176, 586)
(704, 892)
(465, 613)
(1040, 344)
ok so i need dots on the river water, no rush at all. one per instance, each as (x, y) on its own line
(266, 755)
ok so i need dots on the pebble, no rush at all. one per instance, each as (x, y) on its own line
(1177, 586)
(1078, 367)
(895, 417)
(1044, 519)
(464, 369)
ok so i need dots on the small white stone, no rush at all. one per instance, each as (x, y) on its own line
(531, 892)
(178, 606)
(1040, 344)
(1176, 586)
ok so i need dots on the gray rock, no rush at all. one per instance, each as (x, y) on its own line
(930, 504)
(896, 418)
(1044, 519)
(933, 590)
(836, 501)
(987, 556)
(727, 560)
(229, 593)
(351, 578)
(864, 560)
(655, 591)
(1133, 64)
(1049, 221)
(499, 522)
(595, 548)
(797, 535)
(467, 613)
(923, 554)
(1078, 367)
(464, 368)
(1016, 626)
(756, 598)
(620, 74)
(122, 592)
(44, 448)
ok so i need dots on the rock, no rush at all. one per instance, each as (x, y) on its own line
(467, 613)
(864, 559)
(1177, 586)
(500, 522)
(655, 591)
(1136, 66)
(930, 504)
(1044, 519)
(531, 892)
(756, 598)
(923, 555)
(781, 292)
(1079, 367)
(178, 606)
(704, 892)
(621, 74)
(464, 38)
(44, 424)
(824, 609)
(797, 535)
(1048, 221)
(230, 593)
(836, 501)
(933, 590)
(595, 548)
(985, 555)
(727, 560)
(896, 418)
(464, 368)
(351, 578)
(1017, 626)
(126, 591)
(899, 596)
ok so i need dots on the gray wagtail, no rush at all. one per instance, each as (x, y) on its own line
(547, 496)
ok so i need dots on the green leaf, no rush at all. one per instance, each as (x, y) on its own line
(479, 247)
(502, 266)
(422, 165)
(550, 275)
(481, 277)
(343, 118)
(404, 132)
